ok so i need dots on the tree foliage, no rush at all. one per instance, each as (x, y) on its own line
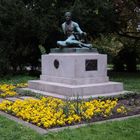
(26, 24)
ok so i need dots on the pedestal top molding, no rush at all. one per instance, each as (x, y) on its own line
(74, 50)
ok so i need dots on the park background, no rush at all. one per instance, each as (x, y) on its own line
(29, 28)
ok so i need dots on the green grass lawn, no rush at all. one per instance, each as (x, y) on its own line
(131, 81)
(16, 79)
(118, 130)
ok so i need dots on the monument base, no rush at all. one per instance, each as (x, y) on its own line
(76, 90)
(75, 74)
(39, 92)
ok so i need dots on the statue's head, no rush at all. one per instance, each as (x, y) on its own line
(68, 16)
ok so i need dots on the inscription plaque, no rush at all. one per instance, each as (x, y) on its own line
(91, 64)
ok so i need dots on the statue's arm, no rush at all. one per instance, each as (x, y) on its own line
(78, 28)
(63, 28)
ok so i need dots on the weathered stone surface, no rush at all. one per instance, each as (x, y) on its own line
(73, 90)
(72, 68)
(12, 99)
(26, 97)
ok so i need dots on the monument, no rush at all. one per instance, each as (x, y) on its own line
(74, 34)
(78, 71)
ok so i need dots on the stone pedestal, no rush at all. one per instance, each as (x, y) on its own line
(72, 74)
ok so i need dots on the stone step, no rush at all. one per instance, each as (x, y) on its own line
(13, 99)
(74, 90)
(75, 81)
(1, 99)
(74, 97)
(27, 97)
(44, 93)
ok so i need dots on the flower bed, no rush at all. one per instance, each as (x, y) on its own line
(8, 90)
(51, 112)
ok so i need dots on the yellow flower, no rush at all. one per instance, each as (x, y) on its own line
(122, 110)
(49, 111)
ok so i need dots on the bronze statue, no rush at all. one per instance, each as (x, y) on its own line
(73, 32)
